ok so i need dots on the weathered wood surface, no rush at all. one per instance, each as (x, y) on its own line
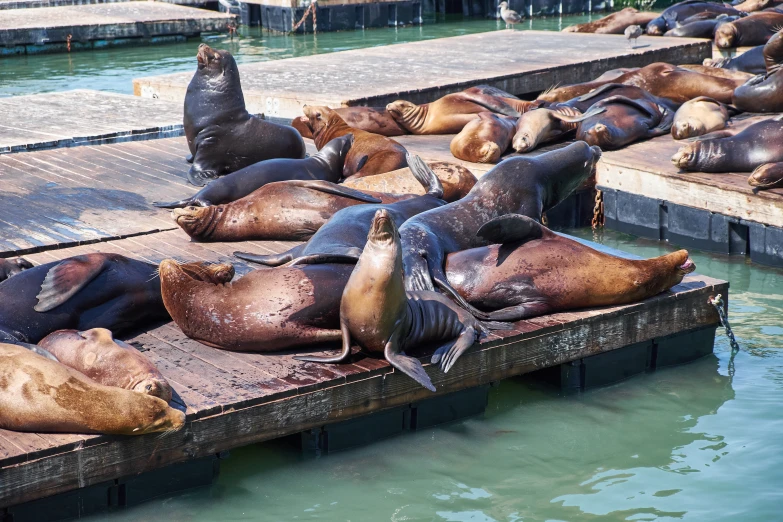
(233, 399)
(516, 61)
(81, 117)
(646, 169)
(28, 4)
(106, 21)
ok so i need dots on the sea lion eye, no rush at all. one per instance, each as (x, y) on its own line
(148, 387)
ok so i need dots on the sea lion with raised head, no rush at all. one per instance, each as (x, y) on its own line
(624, 121)
(485, 139)
(522, 185)
(528, 270)
(755, 29)
(699, 116)
(222, 136)
(370, 153)
(456, 180)
(683, 10)
(751, 61)
(11, 267)
(767, 176)
(326, 165)
(614, 23)
(41, 395)
(382, 318)
(107, 361)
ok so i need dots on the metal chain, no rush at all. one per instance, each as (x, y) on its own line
(717, 302)
(310, 8)
(68, 42)
(598, 210)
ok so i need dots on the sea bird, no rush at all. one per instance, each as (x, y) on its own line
(632, 32)
(510, 17)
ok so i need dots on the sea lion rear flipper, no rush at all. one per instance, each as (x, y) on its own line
(510, 228)
(271, 259)
(442, 283)
(64, 280)
(450, 352)
(599, 90)
(410, 366)
(182, 203)
(37, 349)
(491, 91)
(333, 188)
(350, 256)
(491, 103)
(424, 175)
(713, 135)
(343, 356)
(593, 111)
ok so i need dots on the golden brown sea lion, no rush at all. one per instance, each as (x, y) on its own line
(767, 176)
(751, 6)
(755, 29)
(546, 124)
(456, 180)
(485, 139)
(699, 116)
(41, 395)
(615, 23)
(107, 361)
(719, 72)
(528, 270)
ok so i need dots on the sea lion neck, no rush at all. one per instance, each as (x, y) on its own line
(334, 128)
(222, 91)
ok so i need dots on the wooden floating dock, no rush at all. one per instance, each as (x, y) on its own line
(48, 29)
(518, 62)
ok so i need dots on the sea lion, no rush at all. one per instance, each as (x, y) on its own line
(326, 165)
(40, 395)
(751, 6)
(107, 361)
(11, 267)
(88, 291)
(767, 176)
(719, 72)
(546, 124)
(377, 312)
(485, 139)
(757, 145)
(222, 135)
(699, 116)
(773, 53)
(683, 10)
(342, 238)
(700, 28)
(614, 23)
(764, 93)
(370, 153)
(370, 119)
(281, 211)
(528, 270)
(456, 180)
(522, 185)
(624, 121)
(751, 61)
(755, 29)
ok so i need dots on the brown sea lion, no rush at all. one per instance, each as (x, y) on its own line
(370, 153)
(456, 180)
(699, 116)
(370, 119)
(767, 176)
(756, 145)
(377, 312)
(624, 121)
(222, 135)
(614, 23)
(683, 10)
(522, 185)
(528, 270)
(281, 211)
(719, 72)
(546, 124)
(755, 29)
(751, 6)
(40, 395)
(342, 238)
(751, 61)
(107, 361)
(485, 139)
(11, 267)
(326, 165)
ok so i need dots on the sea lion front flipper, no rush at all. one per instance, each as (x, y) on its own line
(599, 90)
(182, 203)
(333, 188)
(449, 353)
(189, 158)
(593, 111)
(519, 312)
(424, 175)
(271, 259)
(442, 283)
(343, 356)
(37, 349)
(410, 366)
(510, 228)
(65, 279)
(350, 256)
(491, 103)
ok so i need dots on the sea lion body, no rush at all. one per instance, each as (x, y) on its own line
(538, 272)
(370, 153)
(698, 29)
(107, 361)
(40, 395)
(755, 29)
(485, 139)
(545, 124)
(699, 116)
(767, 176)
(773, 53)
(751, 61)
(456, 180)
(326, 165)
(614, 23)
(764, 93)
(370, 119)
(751, 6)
(222, 136)
(11, 267)
(683, 10)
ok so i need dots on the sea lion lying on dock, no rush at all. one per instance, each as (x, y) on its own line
(699, 116)
(615, 23)
(755, 29)
(751, 61)
(543, 125)
(684, 10)
(764, 93)
(700, 28)
(751, 6)
(222, 136)
(326, 165)
(370, 153)
(485, 139)
(11, 267)
(456, 180)
(41, 395)
(371, 119)
(528, 270)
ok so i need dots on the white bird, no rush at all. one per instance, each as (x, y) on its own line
(510, 17)
(632, 32)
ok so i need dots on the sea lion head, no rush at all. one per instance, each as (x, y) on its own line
(688, 128)
(400, 110)
(767, 176)
(674, 266)
(383, 231)
(600, 134)
(11, 267)
(532, 127)
(687, 156)
(726, 36)
(319, 117)
(198, 222)
(656, 27)
(214, 62)
(150, 414)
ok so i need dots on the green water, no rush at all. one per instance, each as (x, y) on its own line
(702, 442)
(114, 69)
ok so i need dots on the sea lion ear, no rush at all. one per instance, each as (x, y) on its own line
(511, 228)
(64, 280)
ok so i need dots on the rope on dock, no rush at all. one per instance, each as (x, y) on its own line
(310, 8)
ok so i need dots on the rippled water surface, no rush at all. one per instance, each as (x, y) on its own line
(703, 442)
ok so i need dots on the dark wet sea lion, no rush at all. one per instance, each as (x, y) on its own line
(377, 312)
(699, 116)
(342, 238)
(521, 185)
(485, 139)
(370, 153)
(11, 267)
(614, 23)
(757, 145)
(700, 28)
(755, 29)
(764, 93)
(281, 211)
(88, 291)
(456, 180)
(546, 124)
(624, 121)
(751, 61)
(266, 310)
(222, 135)
(767, 176)
(683, 10)
(528, 270)
(773, 53)
(370, 119)
(326, 164)
(40, 395)
(107, 361)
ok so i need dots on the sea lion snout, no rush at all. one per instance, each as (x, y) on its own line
(725, 36)
(684, 157)
(383, 229)
(687, 129)
(204, 55)
(198, 222)
(688, 266)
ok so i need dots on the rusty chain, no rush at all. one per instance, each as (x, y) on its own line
(68, 42)
(598, 210)
(310, 8)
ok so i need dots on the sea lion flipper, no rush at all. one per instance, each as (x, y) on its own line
(350, 256)
(599, 90)
(343, 356)
(449, 353)
(594, 111)
(410, 366)
(442, 283)
(189, 158)
(425, 175)
(37, 349)
(64, 280)
(491, 91)
(333, 188)
(491, 103)
(268, 260)
(182, 203)
(510, 228)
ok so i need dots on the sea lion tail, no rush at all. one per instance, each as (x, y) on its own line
(425, 175)
(65, 279)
